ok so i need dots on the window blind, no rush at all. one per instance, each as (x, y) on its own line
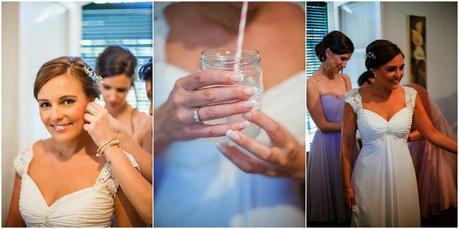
(316, 28)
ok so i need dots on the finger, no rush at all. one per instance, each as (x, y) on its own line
(208, 78)
(257, 149)
(225, 110)
(89, 117)
(242, 161)
(96, 105)
(199, 130)
(352, 202)
(275, 131)
(87, 127)
(216, 95)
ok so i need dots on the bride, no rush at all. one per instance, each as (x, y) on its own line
(382, 190)
(65, 181)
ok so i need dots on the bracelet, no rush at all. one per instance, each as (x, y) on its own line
(103, 147)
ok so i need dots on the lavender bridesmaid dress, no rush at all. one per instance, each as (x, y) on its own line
(325, 184)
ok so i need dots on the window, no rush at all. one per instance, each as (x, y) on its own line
(126, 24)
(316, 28)
(367, 16)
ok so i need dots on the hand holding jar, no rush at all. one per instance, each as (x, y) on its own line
(192, 102)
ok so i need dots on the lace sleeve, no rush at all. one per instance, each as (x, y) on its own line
(410, 97)
(22, 160)
(353, 99)
(107, 180)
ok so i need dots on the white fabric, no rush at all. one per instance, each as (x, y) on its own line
(383, 177)
(88, 207)
(195, 185)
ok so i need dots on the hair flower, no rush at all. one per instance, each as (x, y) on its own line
(91, 74)
(370, 55)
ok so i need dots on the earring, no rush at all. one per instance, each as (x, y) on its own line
(326, 65)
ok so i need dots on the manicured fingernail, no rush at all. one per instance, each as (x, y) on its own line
(233, 135)
(220, 147)
(250, 104)
(244, 124)
(247, 115)
(249, 91)
(236, 77)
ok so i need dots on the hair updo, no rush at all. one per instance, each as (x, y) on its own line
(145, 72)
(74, 67)
(380, 52)
(337, 42)
(116, 60)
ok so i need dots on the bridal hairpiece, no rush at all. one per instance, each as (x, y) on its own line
(370, 55)
(94, 76)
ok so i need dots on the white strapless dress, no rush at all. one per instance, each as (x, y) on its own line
(383, 177)
(88, 207)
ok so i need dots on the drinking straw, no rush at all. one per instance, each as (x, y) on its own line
(240, 36)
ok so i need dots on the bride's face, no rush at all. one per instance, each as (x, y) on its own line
(62, 106)
(390, 74)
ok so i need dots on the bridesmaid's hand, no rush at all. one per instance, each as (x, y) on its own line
(98, 123)
(284, 158)
(350, 197)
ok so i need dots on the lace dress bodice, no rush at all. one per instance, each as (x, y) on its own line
(88, 207)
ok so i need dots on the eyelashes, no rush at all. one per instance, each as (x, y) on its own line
(45, 105)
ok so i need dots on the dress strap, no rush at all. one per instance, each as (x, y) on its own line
(22, 160)
(354, 99)
(410, 97)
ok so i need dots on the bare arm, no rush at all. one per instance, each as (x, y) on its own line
(125, 214)
(143, 158)
(316, 111)
(414, 136)
(137, 189)
(426, 128)
(424, 97)
(347, 147)
(14, 216)
(133, 186)
(147, 137)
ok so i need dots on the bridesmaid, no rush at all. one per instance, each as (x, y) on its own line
(435, 168)
(325, 103)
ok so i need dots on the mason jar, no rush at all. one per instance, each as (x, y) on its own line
(250, 70)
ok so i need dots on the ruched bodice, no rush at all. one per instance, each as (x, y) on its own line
(383, 177)
(88, 207)
(373, 127)
(333, 107)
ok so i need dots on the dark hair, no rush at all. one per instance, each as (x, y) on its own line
(365, 77)
(337, 42)
(145, 72)
(116, 60)
(72, 66)
(380, 52)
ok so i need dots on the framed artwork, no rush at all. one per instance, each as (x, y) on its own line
(417, 36)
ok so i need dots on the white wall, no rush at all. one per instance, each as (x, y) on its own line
(441, 47)
(32, 33)
(10, 133)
